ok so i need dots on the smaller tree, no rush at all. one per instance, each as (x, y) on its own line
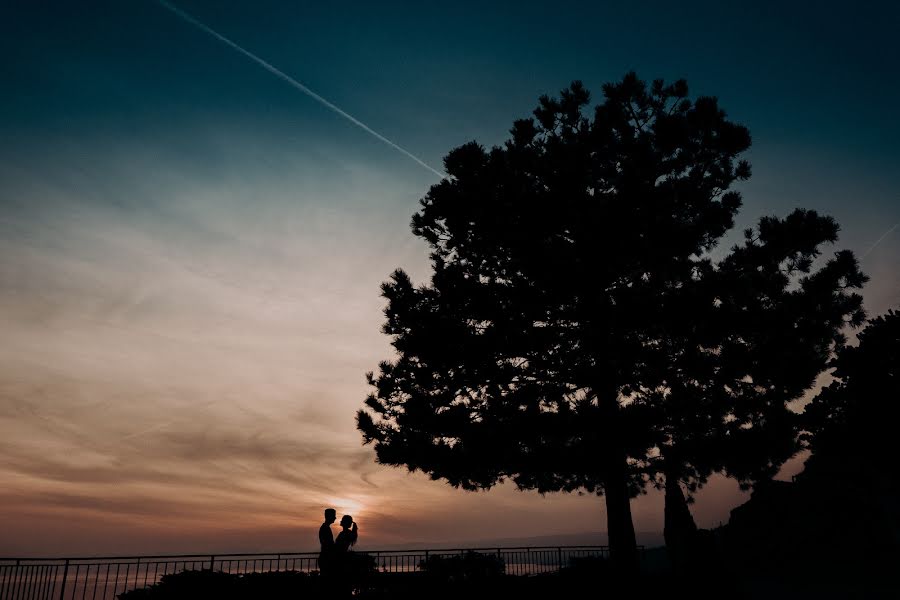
(748, 336)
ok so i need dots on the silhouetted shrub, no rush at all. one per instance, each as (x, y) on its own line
(468, 566)
(591, 564)
(274, 585)
(228, 586)
(280, 585)
(359, 564)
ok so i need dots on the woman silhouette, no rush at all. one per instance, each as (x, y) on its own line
(347, 537)
(346, 560)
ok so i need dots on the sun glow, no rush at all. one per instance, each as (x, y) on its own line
(348, 506)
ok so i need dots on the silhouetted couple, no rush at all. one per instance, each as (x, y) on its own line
(334, 556)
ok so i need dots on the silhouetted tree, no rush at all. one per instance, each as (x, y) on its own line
(547, 255)
(574, 324)
(745, 337)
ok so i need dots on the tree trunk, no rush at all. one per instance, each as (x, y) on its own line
(679, 530)
(619, 524)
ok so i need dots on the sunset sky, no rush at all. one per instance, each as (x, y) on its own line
(191, 249)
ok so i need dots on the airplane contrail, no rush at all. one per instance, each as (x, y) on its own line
(296, 84)
(881, 239)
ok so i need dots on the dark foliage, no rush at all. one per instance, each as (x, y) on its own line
(190, 585)
(586, 564)
(852, 425)
(576, 335)
(836, 528)
(853, 419)
(354, 573)
(815, 538)
(471, 565)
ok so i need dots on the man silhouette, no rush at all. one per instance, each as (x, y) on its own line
(326, 539)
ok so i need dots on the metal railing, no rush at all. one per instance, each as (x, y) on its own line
(104, 577)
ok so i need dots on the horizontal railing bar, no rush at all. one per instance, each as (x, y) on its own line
(495, 548)
(189, 557)
(304, 554)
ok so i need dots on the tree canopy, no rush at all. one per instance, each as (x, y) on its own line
(743, 338)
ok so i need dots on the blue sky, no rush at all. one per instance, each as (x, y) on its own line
(190, 249)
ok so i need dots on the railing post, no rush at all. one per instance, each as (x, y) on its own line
(62, 587)
(212, 560)
(14, 580)
(559, 557)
